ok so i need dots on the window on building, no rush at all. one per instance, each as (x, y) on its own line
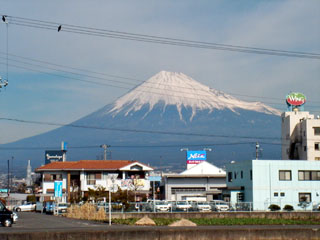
(235, 175)
(316, 130)
(285, 175)
(309, 175)
(229, 176)
(282, 194)
(92, 177)
(52, 177)
(305, 148)
(304, 197)
(316, 146)
(275, 194)
(317, 158)
(250, 174)
(241, 174)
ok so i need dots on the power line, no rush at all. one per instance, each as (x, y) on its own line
(27, 22)
(116, 76)
(140, 146)
(137, 130)
(122, 87)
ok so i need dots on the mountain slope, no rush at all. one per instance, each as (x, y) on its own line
(141, 125)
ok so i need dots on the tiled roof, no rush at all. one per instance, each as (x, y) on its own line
(86, 165)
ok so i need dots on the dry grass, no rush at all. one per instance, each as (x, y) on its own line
(86, 211)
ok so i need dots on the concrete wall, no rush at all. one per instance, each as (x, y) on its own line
(173, 233)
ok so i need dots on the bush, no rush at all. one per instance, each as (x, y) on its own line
(274, 207)
(288, 208)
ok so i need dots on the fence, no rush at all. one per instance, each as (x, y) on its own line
(212, 206)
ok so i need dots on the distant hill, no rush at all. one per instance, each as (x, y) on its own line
(139, 126)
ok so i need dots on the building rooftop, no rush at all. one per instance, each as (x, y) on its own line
(90, 165)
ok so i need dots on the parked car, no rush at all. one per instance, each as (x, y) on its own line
(219, 205)
(161, 206)
(6, 216)
(29, 206)
(203, 207)
(61, 208)
(183, 205)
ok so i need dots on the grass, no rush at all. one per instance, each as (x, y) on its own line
(224, 221)
(252, 221)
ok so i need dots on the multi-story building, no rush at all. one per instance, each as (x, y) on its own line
(300, 136)
(202, 182)
(78, 177)
(266, 182)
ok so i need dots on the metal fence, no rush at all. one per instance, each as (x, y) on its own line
(212, 206)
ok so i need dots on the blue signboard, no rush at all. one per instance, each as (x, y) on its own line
(196, 156)
(58, 188)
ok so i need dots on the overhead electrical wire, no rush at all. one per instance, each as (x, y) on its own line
(122, 87)
(116, 76)
(34, 23)
(142, 146)
(136, 130)
(141, 130)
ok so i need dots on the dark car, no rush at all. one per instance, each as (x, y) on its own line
(6, 216)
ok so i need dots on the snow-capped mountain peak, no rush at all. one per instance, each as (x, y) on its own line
(171, 88)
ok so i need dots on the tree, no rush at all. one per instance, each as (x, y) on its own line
(98, 194)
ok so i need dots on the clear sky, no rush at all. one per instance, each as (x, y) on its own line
(51, 95)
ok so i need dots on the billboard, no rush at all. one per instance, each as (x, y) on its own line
(295, 99)
(195, 157)
(53, 156)
(58, 188)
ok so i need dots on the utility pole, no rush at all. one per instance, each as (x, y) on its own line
(105, 147)
(8, 178)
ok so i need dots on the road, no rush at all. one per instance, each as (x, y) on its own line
(32, 225)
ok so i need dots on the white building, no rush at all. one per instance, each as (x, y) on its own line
(266, 182)
(78, 177)
(202, 182)
(300, 136)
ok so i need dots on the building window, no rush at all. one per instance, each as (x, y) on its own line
(275, 194)
(229, 176)
(305, 148)
(241, 174)
(317, 158)
(52, 177)
(285, 175)
(309, 175)
(316, 146)
(304, 197)
(316, 130)
(235, 175)
(282, 194)
(250, 174)
(92, 177)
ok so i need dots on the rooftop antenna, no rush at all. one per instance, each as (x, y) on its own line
(4, 83)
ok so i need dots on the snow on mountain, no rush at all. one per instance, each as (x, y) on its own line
(170, 88)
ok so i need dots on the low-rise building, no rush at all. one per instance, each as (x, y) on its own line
(78, 177)
(202, 182)
(266, 182)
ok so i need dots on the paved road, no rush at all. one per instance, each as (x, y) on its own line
(31, 221)
(37, 222)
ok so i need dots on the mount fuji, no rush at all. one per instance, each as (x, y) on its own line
(153, 121)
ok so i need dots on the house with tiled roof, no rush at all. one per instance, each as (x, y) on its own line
(77, 177)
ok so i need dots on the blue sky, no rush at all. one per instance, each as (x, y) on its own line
(32, 95)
